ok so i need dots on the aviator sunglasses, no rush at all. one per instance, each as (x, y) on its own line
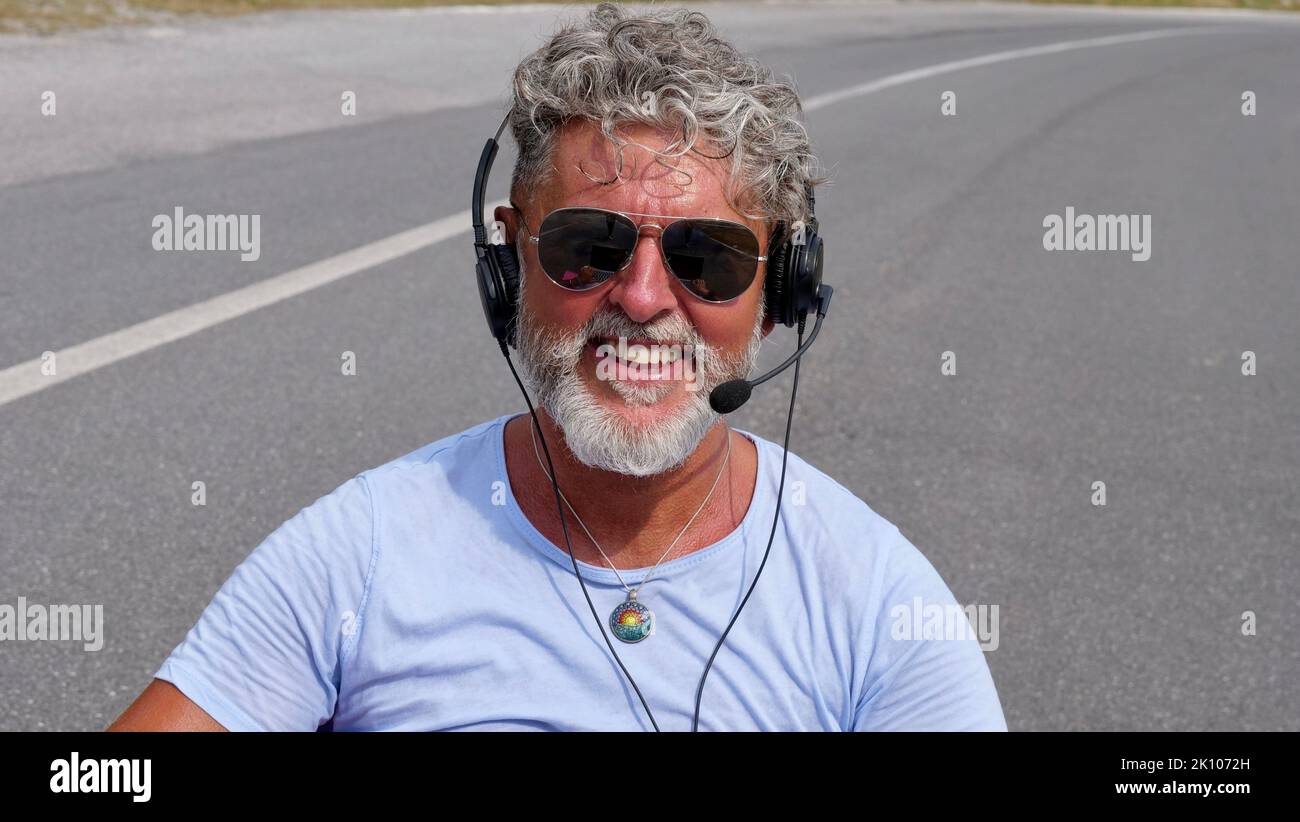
(582, 247)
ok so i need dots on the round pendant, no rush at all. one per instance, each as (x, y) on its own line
(631, 621)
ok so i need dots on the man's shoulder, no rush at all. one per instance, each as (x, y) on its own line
(451, 446)
(839, 533)
(817, 500)
(438, 461)
(341, 523)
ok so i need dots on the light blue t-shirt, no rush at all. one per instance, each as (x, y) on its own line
(417, 596)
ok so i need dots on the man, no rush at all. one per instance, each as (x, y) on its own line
(438, 591)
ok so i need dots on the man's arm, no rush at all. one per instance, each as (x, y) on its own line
(938, 682)
(266, 653)
(162, 707)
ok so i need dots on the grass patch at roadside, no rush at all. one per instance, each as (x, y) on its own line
(49, 16)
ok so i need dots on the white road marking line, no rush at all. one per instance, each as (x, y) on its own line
(26, 378)
(926, 72)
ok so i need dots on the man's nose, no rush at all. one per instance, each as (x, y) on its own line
(643, 289)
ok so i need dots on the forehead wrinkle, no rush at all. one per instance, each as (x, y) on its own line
(639, 197)
(646, 186)
(645, 177)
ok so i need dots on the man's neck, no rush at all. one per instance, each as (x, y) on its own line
(634, 519)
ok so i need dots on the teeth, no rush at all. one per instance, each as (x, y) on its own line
(641, 353)
(652, 355)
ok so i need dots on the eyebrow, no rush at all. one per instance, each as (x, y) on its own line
(643, 214)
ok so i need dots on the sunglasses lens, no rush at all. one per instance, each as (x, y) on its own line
(715, 260)
(581, 248)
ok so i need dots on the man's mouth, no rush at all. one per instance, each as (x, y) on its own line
(638, 358)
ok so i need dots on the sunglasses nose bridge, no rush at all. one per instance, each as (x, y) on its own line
(643, 288)
(643, 228)
(658, 239)
(640, 229)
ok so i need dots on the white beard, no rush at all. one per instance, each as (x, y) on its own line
(601, 437)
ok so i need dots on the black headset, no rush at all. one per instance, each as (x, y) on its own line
(793, 288)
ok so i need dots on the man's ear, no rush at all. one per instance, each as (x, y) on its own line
(768, 325)
(510, 218)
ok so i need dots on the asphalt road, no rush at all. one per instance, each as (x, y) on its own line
(1072, 367)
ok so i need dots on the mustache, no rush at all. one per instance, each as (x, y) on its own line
(607, 322)
(671, 330)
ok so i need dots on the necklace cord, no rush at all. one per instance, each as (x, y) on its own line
(633, 591)
(565, 528)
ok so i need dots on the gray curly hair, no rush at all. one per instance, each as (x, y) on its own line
(667, 68)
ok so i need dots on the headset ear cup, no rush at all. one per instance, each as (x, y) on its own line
(508, 265)
(810, 276)
(775, 284)
(489, 292)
